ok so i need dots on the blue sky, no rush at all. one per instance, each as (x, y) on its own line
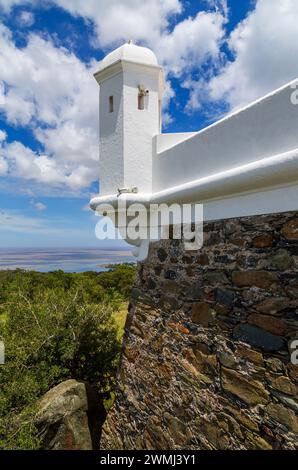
(218, 55)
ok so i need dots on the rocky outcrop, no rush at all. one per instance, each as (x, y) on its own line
(69, 417)
(206, 356)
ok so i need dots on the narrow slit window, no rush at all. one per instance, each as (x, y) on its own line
(141, 101)
(111, 104)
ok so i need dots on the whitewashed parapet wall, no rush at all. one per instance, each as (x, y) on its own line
(252, 150)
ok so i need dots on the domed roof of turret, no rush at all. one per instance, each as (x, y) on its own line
(130, 52)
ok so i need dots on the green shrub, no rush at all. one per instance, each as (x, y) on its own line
(55, 326)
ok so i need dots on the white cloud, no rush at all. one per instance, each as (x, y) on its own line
(191, 42)
(116, 20)
(3, 167)
(2, 94)
(265, 48)
(3, 162)
(219, 5)
(14, 221)
(50, 90)
(26, 18)
(86, 208)
(18, 222)
(3, 136)
(26, 164)
(6, 5)
(39, 206)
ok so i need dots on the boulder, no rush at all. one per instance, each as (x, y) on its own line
(67, 415)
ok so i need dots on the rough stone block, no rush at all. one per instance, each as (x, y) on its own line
(262, 279)
(258, 337)
(250, 391)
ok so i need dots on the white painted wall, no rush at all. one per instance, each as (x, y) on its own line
(270, 201)
(111, 164)
(126, 134)
(140, 126)
(166, 141)
(263, 129)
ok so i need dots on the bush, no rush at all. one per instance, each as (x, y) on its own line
(55, 326)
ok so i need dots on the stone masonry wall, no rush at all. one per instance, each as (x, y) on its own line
(206, 362)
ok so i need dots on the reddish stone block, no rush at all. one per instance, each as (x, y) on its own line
(262, 279)
(290, 230)
(269, 323)
(263, 241)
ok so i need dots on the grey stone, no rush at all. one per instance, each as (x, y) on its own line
(281, 259)
(162, 254)
(151, 284)
(227, 360)
(224, 297)
(63, 417)
(196, 291)
(170, 274)
(136, 293)
(286, 400)
(258, 338)
(215, 277)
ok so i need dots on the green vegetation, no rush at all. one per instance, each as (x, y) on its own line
(56, 326)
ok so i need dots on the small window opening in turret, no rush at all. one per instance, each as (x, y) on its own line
(141, 101)
(141, 96)
(111, 104)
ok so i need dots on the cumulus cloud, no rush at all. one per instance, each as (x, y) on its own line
(3, 136)
(2, 93)
(3, 167)
(264, 45)
(149, 22)
(39, 206)
(6, 5)
(50, 90)
(191, 41)
(24, 163)
(265, 49)
(3, 162)
(26, 18)
(116, 20)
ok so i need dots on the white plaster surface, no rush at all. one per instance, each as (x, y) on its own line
(129, 52)
(166, 141)
(265, 128)
(127, 133)
(269, 173)
(271, 201)
(111, 162)
(140, 126)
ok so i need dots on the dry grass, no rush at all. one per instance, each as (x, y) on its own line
(120, 318)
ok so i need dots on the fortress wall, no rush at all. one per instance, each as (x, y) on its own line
(206, 360)
(264, 128)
